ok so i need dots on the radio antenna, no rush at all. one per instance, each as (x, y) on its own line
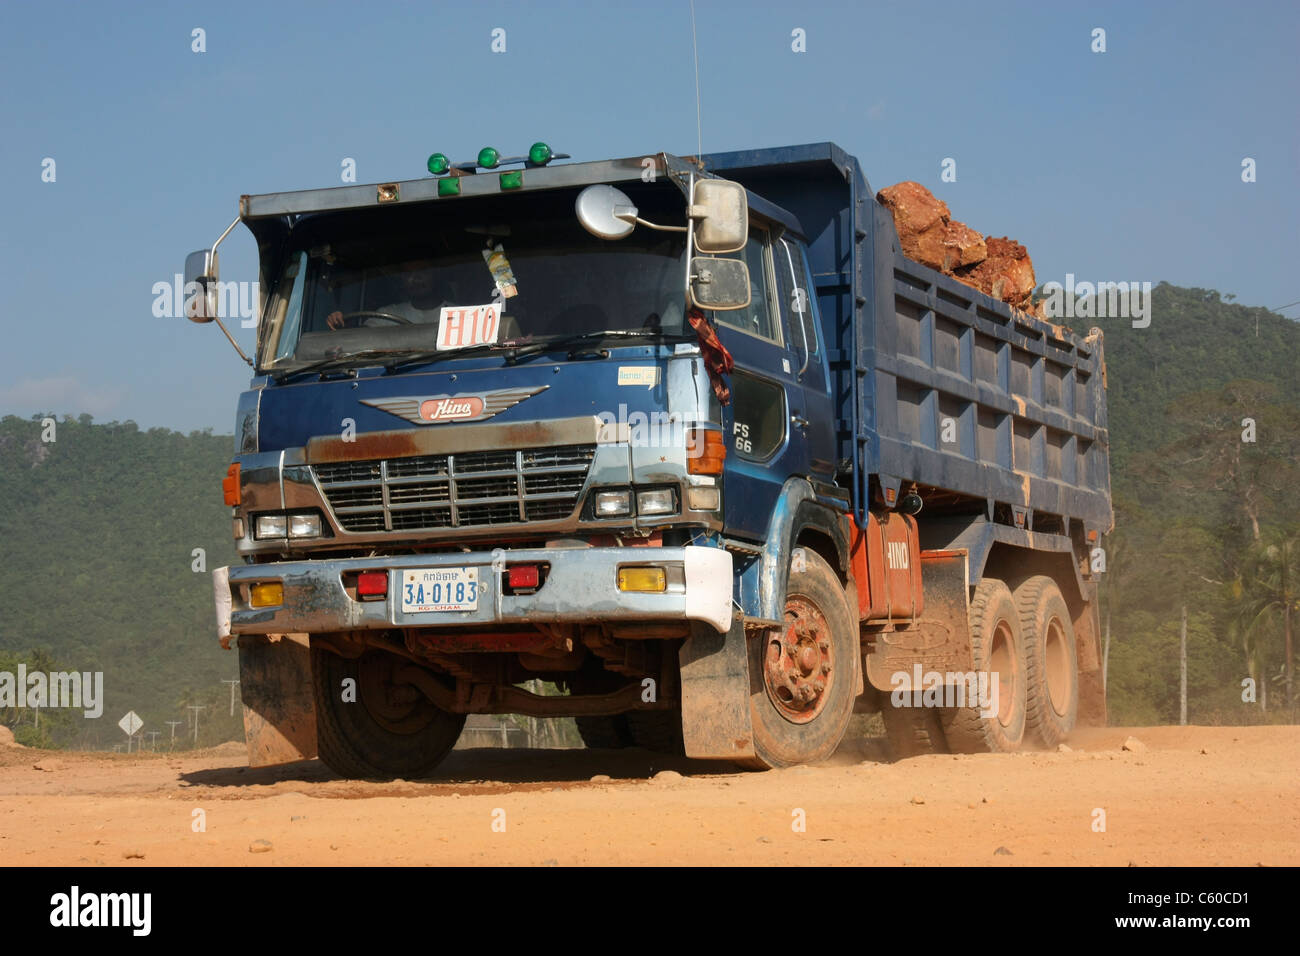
(699, 126)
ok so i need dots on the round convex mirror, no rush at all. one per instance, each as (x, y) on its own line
(606, 212)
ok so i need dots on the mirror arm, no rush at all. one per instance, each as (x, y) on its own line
(690, 236)
(232, 341)
(222, 238)
(221, 325)
(651, 225)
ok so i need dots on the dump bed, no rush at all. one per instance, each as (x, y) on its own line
(936, 383)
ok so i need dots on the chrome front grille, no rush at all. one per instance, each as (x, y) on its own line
(456, 491)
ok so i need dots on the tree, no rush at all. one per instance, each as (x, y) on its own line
(1267, 593)
(1235, 441)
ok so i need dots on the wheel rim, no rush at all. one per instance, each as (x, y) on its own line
(798, 667)
(1057, 671)
(1002, 661)
(398, 708)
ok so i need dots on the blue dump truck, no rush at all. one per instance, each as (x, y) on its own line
(686, 439)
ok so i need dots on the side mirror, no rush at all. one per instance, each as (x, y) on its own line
(200, 286)
(721, 213)
(606, 212)
(721, 284)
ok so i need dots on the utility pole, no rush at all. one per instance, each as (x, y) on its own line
(233, 684)
(196, 708)
(1105, 655)
(1182, 671)
(173, 724)
(153, 740)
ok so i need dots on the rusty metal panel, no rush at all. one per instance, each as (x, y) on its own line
(939, 640)
(868, 563)
(715, 693)
(902, 566)
(275, 684)
(401, 443)
(887, 568)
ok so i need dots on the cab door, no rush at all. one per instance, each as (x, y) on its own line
(766, 444)
(803, 328)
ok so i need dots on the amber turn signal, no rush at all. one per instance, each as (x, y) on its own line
(706, 451)
(230, 485)
(266, 594)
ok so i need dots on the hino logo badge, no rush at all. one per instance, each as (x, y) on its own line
(465, 407)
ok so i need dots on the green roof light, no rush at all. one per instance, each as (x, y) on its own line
(539, 154)
(439, 164)
(513, 179)
(488, 157)
(449, 186)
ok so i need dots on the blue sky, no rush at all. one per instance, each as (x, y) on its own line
(1123, 165)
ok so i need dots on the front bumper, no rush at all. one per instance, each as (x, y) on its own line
(581, 587)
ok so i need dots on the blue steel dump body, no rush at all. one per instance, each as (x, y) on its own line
(911, 348)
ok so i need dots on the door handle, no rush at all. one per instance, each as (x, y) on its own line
(800, 421)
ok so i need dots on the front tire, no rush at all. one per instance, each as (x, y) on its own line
(803, 679)
(383, 729)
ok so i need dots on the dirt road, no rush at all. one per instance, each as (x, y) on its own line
(1196, 796)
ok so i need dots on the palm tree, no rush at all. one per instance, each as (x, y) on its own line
(1268, 589)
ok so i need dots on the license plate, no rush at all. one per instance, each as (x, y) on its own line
(440, 589)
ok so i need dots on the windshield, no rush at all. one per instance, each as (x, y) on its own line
(388, 279)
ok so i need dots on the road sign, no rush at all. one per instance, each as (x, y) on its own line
(131, 723)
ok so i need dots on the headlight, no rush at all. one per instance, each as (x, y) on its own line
(270, 526)
(656, 501)
(294, 526)
(304, 526)
(613, 504)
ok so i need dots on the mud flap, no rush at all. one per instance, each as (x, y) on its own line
(276, 688)
(939, 640)
(715, 693)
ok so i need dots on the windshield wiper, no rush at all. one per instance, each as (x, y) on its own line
(336, 361)
(569, 340)
(407, 356)
(402, 357)
(428, 355)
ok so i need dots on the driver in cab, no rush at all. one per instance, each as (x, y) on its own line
(419, 303)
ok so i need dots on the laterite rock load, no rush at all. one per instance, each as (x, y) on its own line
(997, 267)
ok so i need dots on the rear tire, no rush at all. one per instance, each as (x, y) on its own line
(657, 730)
(912, 731)
(388, 730)
(604, 733)
(803, 679)
(1051, 660)
(997, 646)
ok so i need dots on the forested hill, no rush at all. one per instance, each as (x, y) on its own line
(1204, 413)
(97, 569)
(1196, 342)
(100, 527)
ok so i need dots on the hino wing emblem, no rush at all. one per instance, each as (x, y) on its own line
(464, 407)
